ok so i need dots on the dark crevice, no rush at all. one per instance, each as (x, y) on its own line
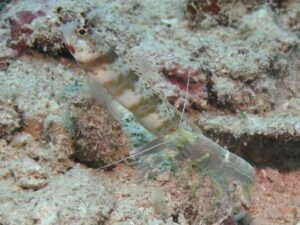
(261, 150)
(62, 52)
(212, 95)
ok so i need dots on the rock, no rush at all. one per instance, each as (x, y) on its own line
(34, 127)
(297, 128)
(288, 212)
(279, 187)
(28, 174)
(3, 143)
(10, 119)
(99, 139)
(274, 213)
(77, 197)
(22, 139)
(296, 201)
(163, 177)
(259, 220)
(57, 134)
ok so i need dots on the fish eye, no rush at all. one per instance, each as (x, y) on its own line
(82, 31)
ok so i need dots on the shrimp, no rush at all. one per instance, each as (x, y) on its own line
(106, 72)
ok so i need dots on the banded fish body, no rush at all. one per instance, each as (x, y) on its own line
(114, 78)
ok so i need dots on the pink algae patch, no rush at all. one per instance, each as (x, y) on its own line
(20, 29)
(179, 75)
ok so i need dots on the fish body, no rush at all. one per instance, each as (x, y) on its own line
(108, 74)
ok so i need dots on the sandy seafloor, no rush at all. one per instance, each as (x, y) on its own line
(243, 59)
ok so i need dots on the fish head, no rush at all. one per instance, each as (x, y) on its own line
(82, 43)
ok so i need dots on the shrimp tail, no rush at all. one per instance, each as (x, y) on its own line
(199, 148)
(218, 158)
(222, 164)
(206, 156)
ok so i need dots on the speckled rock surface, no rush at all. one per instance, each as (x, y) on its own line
(99, 139)
(10, 119)
(28, 173)
(72, 198)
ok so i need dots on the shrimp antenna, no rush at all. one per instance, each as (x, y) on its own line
(137, 152)
(185, 99)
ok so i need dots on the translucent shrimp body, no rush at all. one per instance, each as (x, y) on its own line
(172, 130)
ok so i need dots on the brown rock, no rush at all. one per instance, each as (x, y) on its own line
(278, 187)
(99, 139)
(296, 201)
(260, 220)
(57, 134)
(10, 119)
(34, 127)
(274, 213)
(287, 212)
